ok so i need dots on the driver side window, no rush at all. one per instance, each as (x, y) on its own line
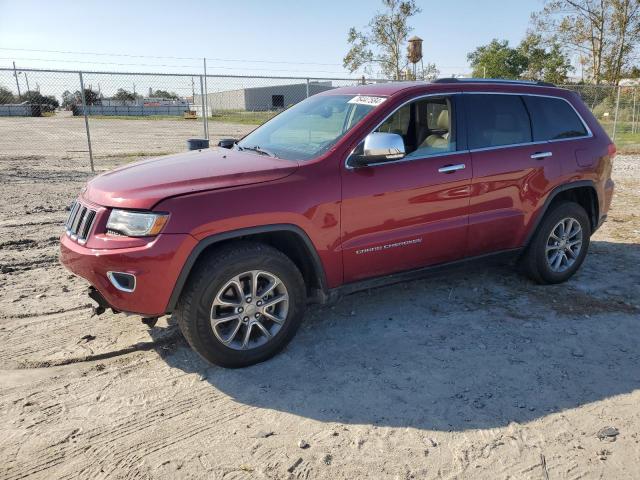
(426, 126)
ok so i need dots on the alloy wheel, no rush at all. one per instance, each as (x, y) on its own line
(249, 310)
(564, 245)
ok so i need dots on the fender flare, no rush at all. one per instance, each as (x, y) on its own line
(554, 193)
(230, 235)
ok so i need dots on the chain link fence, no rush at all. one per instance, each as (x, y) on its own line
(102, 115)
(617, 108)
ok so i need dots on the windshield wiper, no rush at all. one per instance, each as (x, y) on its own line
(259, 150)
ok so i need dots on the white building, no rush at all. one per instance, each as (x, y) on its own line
(273, 97)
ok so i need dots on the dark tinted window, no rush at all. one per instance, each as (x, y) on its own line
(495, 120)
(553, 119)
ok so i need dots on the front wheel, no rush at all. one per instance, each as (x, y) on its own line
(242, 304)
(559, 246)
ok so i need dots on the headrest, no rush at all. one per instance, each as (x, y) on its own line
(443, 120)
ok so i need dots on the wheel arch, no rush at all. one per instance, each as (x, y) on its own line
(582, 192)
(289, 239)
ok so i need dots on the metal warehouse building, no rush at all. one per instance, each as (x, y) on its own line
(263, 98)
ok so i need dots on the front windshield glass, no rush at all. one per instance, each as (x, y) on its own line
(309, 128)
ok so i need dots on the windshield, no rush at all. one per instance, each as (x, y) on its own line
(309, 128)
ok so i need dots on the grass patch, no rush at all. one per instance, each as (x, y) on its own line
(238, 117)
(134, 154)
(242, 117)
(139, 117)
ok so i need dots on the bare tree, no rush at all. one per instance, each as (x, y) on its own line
(384, 39)
(605, 32)
(625, 26)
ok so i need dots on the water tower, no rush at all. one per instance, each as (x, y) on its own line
(414, 52)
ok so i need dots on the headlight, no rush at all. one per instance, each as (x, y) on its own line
(136, 224)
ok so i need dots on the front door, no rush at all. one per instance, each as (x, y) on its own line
(409, 213)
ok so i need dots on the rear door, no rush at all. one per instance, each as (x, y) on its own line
(511, 171)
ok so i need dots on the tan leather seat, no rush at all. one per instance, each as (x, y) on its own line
(439, 140)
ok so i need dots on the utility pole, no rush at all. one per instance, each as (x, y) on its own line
(27, 80)
(15, 74)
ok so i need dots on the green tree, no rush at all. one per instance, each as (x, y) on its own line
(383, 41)
(68, 99)
(48, 103)
(164, 94)
(7, 96)
(548, 63)
(497, 60)
(91, 97)
(633, 72)
(125, 95)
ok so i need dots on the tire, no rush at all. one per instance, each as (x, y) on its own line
(537, 261)
(204, 306)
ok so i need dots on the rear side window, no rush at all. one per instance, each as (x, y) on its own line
(553, 119)
(496, 120)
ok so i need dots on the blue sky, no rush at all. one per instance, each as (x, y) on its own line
(256, 34)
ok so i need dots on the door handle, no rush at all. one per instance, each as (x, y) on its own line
(539, 155)
(452, 168)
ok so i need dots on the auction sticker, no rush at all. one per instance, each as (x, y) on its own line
(367, 100)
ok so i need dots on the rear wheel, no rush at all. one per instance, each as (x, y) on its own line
(559, 246)
(242, 304)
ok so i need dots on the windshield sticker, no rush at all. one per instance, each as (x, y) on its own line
(367, 100)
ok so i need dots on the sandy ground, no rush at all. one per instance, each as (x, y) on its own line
(63, 135)
(478, 374)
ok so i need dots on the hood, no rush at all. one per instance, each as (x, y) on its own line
(141, 185)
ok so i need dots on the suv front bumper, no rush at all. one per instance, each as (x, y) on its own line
(155, 265)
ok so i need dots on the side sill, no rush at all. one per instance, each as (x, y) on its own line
(501, 257)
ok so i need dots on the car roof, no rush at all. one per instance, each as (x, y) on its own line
(382, 89)
(389, 89)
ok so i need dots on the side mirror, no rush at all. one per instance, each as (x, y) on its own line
(227, 142)
(379, 147)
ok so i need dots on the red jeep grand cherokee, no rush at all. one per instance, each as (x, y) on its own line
(346, 190)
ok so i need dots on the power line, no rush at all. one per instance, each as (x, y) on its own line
(71, 52)
(165, 65)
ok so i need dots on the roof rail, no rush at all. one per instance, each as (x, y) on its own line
(493, 80)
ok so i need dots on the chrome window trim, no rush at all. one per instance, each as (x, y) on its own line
(403, 160)
(483, 149)
(389, 162)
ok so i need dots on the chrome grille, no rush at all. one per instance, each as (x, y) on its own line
(79, 222)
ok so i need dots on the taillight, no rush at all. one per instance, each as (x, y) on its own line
(611, 150)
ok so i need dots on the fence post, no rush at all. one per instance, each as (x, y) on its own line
(633, 116)
(615, 119)
(307, 88)
(206, 105)
(86, 120)
(204, 113)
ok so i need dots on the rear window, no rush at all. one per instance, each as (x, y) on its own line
(553, 119)
(496, 120)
